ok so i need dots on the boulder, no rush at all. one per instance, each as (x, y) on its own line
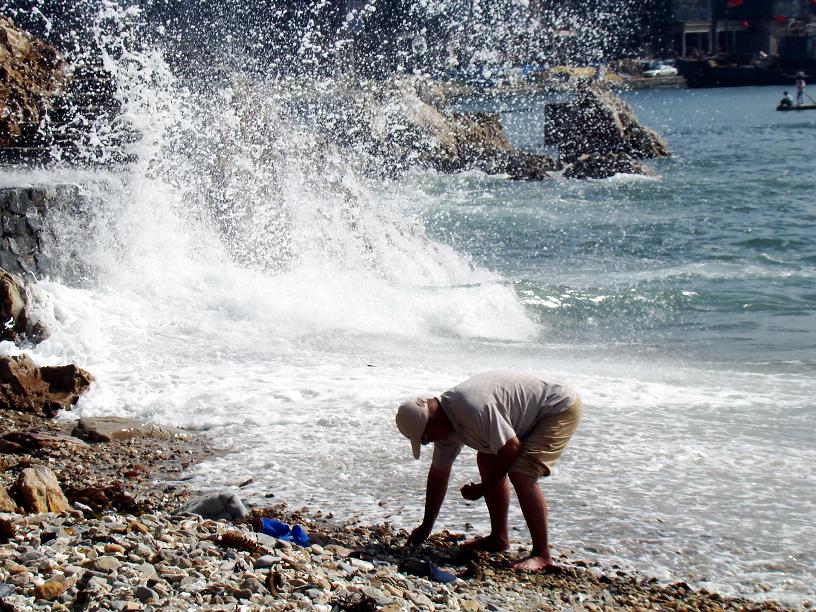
(598, 123)
(17, 323)
(6, 503)
(39, 491)
(218, 506)
(31, 74)
(108, 428)
(43, 391)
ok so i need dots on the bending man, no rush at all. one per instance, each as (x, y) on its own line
(519, 425)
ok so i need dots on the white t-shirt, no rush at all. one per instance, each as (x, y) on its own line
(489, 409)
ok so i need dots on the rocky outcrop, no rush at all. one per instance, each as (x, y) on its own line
(401, 123)
(31, 75)
(43, 391)
(39, 491)
(599, 122)
(597, 135)
(597, 132)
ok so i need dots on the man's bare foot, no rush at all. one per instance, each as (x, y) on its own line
(489, 544)
(537, 563)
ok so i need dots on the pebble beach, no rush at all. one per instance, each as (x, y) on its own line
(123, 546)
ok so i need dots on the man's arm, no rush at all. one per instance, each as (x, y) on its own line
(435, 492)
(504, 459)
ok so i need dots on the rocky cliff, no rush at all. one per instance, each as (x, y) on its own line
(32, 74)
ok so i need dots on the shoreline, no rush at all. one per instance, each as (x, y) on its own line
(130, 551)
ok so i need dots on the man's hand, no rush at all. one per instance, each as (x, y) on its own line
(419, 535)
(473, 491)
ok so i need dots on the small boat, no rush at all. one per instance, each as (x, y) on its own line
(785, 107)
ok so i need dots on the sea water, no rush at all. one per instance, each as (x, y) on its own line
(285, 308)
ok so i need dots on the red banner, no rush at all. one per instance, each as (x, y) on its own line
(733, 3)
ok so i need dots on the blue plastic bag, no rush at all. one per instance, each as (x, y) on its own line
(282, 531)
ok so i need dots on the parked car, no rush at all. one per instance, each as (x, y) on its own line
(659, 70)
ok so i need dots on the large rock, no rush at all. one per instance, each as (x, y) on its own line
(108, 428)
(39, 491)
(597, 124)
(31, 74)
(17, 322)
(43, 391)
(6, 503)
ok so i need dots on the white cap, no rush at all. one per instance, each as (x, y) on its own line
(412, 417)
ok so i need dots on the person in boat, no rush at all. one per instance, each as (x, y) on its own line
(786, 100)
(800, 89)
(519, 425)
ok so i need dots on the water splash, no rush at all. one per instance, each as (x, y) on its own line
(232, 176)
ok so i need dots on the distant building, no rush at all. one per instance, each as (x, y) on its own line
(775, 28)
(692, 31)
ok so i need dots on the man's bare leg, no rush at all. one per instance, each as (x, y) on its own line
(534, 508)
(498, 504)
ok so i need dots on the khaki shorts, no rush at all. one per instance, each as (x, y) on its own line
(544, 444)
